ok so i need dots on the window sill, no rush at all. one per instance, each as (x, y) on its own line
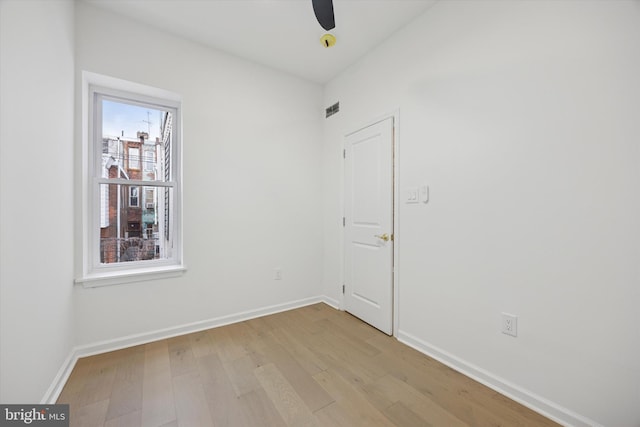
(130, 276)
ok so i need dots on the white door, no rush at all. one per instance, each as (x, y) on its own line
(368, 224)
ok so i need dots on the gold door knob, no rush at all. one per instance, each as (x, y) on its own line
(384, 237)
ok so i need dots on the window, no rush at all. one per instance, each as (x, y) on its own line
(149, 198)
(134, 229)
(149, 160)
(134, 158)
(131, 204)
(134, 200)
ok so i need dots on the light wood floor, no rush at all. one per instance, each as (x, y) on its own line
(314, 366)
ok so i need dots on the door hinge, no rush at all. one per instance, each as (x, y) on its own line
(344, 154)
(344, 221)
(343, 289)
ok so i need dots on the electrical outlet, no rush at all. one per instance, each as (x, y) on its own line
(510, 324)
(412, 195)
(277, 274)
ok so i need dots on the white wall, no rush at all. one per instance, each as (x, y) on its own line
(252, 146)
(523, 118)
(36, 195)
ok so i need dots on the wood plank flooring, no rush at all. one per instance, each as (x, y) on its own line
(313, 366)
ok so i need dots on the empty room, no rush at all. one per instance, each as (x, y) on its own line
(320, 213)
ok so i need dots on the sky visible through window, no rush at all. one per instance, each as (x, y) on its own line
(119, 119)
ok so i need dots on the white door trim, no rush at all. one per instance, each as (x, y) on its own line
(395, 114)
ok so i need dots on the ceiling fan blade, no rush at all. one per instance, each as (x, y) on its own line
(324, 13)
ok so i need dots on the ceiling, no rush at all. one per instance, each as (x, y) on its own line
(282, 34)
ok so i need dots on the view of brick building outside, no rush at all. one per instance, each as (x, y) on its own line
(133, 217)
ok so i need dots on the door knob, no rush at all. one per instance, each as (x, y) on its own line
(384, 237)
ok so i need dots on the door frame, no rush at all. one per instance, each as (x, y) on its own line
(395, 115)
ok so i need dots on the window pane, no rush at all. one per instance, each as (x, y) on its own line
(138, 226)
(136, 142)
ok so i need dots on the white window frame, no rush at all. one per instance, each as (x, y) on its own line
(93, 273)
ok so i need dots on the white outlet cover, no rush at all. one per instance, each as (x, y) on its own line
(411, 195)
(510, 324)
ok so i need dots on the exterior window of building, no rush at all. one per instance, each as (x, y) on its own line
(149, 160)
(134, 199)
(133, 189)
(134, 158)
(134, 229)
(149, 198)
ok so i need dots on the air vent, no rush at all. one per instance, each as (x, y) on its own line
(332, 110)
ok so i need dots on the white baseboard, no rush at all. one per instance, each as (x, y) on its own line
(331, 302)
(537, 403)
(61, 378)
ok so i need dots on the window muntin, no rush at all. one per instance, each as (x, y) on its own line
(135, 205)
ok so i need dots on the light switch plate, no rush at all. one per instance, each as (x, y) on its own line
(424, 194)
